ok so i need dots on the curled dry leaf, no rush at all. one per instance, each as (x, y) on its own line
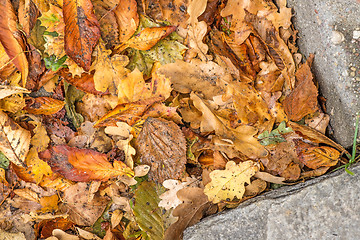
(195, 205)
(12, 39)
(316, 157)
(162, 146)
(44, 105)
(82, 212)
(81, 31)
(14, 140)
(83, 165)
(227, 184)
(127, 18)
(8, 90)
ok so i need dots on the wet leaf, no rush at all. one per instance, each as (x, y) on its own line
(14, 140)
(162, 146)
(83, 164)
(81, 31)
(227, 184)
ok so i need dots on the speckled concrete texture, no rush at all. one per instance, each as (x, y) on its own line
(330, 29)
(324, 208)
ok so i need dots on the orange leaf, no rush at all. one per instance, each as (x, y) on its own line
(127, 112)
(316, 157)
(83, 165)
(12, 39)
(82, 31)
(44, 105)
(303, 100)
(44, 228)
(85, 82)
(148, 37)
(127, 18)
(49, 203)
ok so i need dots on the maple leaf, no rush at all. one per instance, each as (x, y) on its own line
(81, 31)
(227, 184)
(14, 140)
(12, 39)
(83, 164)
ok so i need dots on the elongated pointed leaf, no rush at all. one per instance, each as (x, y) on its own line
(127, 19)
(12, 39)
(82, 31)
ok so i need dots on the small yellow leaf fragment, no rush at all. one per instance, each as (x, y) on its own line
(227, 184)
(2, 177)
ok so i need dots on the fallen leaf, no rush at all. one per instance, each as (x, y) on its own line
(316, 157)
(9, 236)
(83, 164)
(3, 177)
(61, 235)
(116, 217)
(127, 19)
(44, 105)
(303, 100)
(12, 39)
(27, 194)
(241, 138)
(162, 146)
(227, 184)
(267, 177)
(37, 167)
(8, 90)
(194, 206)
(14, 140)
(40, 140)
(49, 203)
(81, 31)
(87, 235)
(82, 212)
(255, 187)
(44, 228)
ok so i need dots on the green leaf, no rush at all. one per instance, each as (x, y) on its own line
(37, 36)
(275, 136)
(283, 129)
(4, 161)
(52, 34)
(73, 95)
(150, 217)
(53, 63)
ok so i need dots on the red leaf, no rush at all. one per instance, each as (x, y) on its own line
(82, 31)
(83, 165)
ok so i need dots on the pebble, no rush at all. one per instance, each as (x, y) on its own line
(337, 37)
(356, 34)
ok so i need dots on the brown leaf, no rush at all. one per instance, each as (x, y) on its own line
(44, 228)
(85, 82)
(303, 100)
(81, 31)
(316, 157)
(127, 19)
(14, 140)
(83, 164)
(82, 212)
(44, 105)
(28, 13)
(194, 206)
(148, 37)
(12, 39)
(162, 146)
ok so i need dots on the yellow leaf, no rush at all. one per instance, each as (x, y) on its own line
(27, 194)
(13, 103)
(40, 140)
(14, 140)
(49, 203)
(109, 70)
(7, 90)
(227, 184)
(2, 177)
(116, 217)
(39, 168)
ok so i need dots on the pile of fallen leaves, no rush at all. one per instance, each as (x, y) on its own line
(124, 119)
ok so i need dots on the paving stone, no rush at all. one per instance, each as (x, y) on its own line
(331, 30)
(323, 208)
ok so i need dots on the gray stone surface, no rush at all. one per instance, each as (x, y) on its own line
(321, 23)
(327, 207)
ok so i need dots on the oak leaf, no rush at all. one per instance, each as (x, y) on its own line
(242, 138)
(316, 157)
(12, 39)
(195, 205)
(14, 140)
(82, 31)
(162, 146)
(83, 164)
(227, 184)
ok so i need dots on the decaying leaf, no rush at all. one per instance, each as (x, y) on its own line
(80, 211)
(162, 146)
(227, 184)
(316, 157)
(14, 140)
(83, 164)
(81, 31)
